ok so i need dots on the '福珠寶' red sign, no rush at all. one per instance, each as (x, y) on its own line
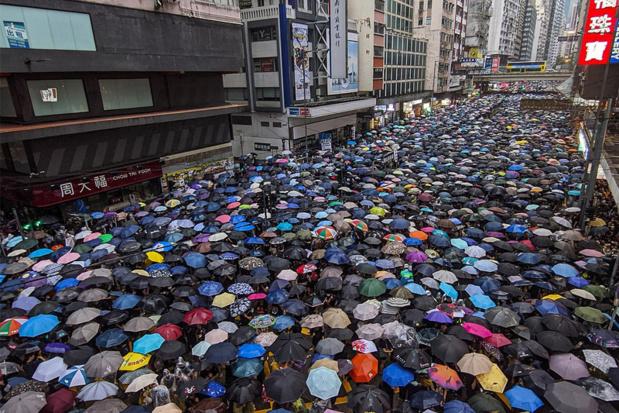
(63, 191)
(598, 36)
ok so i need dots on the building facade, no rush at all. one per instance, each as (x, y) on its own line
(287, 83)
(492, 27)
(527, 32)
(99, 113)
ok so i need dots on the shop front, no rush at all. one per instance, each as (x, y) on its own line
(413, 108)
(108, 190)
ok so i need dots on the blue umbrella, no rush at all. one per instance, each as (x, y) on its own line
(111, 338)
(449, 290)
(195, 260)
(522, 398)
(485, 265)
(438, 317)
(551, 307)
(284, 226)
(336, 256)
(251, 350)
(283, 322)
(244, 226)
(254, 241)
(487, 284)
(74, 376)
(126, 301)
(66, 283)
(415, 288)
(235, 219)
(482, 301)
(397, 376)
(210, 288)
(456, 406)
(516, 229)
(529, 258)
(38, 325)
(214, 389)
(276, 296)
(412, 241)
(148, 343)
(564, 270)
(245, 367)
(578, 282)
(323, 383)
(40, 253)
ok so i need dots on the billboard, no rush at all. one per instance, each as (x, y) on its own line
(337, 38)
(350, 83)
(496, 61)
(599, 30)
(300, 44)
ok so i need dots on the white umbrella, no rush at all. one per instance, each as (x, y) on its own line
(599, 360)
(97, 390)
(50, 370)
(365, 311)
(141, 382)
(447, 277)
(583, 294)
(200, 348)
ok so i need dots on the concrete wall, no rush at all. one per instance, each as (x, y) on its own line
(360, 10)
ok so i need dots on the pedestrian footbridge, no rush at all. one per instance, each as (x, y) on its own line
(515, 77)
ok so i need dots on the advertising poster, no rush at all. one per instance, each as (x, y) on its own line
(337, 36)
(598, 38)
(16, 35)
(496, 61)
(350, 83)
(325, 141)
(300, 45)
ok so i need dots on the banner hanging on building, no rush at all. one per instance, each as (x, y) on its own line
(598, 37)
(337, 37)
(300, 45)
(496, 62)
(350, 83)
(16, 35)
(325, 141)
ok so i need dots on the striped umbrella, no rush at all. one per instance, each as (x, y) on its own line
(326, 233)
(394, 237)
(360, 225)
(11, 326)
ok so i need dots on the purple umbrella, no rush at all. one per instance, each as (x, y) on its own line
(568, 366)
(438, 317)
(416, 257)
(201, 238)
(25, 303)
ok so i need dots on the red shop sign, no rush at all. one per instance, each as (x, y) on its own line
(52, 193)
(597, 39)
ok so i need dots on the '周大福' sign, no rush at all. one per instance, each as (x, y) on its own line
(599, 33)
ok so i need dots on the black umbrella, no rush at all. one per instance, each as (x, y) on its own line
(341, 334)
(561, 324)
(448, 348)
(220, 353)
(193, 386)
(566, 397)
(171, 317)
(412, 358)
(78, 356)
(170, 350)
(285, 385)
(242, 335)
(290, 347)
(243, 390)
(368, 398)
(554, 341)
(426, 399)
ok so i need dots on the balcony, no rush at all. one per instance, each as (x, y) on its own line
(263, 13)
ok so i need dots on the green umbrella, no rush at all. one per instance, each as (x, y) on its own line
(372, 287)
(105, 237)
(482, 402)
(26, 244)
(596, 290)
(593, 315)
(82, 248)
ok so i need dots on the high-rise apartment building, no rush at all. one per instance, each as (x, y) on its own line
(492, 27)
(527, 31)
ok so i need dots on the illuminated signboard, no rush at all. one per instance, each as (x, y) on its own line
(598, 37)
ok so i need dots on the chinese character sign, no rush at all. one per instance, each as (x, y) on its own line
(599, 33)
(16, 34)
(338, 31)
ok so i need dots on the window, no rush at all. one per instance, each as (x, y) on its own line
(304, 5)
(241, 120)
(236, 94)
(125, 93)
(421, 5)
(264, 124)
(267, 94)
(428, 21)
(277, 124)
(420, 22)
(69, 96)
(378, 51)
(429, 4)
(263, 34)
(7, 108)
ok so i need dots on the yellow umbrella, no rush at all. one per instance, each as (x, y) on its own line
(553, 297)
(134, 361)
(598, 222)
(154, 256)
(494, 380)
(143, 273)
(378, 211)
(173, 203)
(522, 142)
(223, 300)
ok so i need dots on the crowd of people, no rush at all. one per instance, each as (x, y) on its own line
(433, 265)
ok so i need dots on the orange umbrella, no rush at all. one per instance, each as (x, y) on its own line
(365, 367)
(419, 235)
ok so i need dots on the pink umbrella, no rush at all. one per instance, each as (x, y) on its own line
(67, 258)
(223, 219)
(428, 229)
(498, 340)
(40, 266)
(84, 275)
(590, 253)
(92, 236)
(233, 205)
(477, 330)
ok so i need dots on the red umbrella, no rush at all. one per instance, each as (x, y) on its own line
(169, 331)
(60, 401)
(198, 316)
(365, 367)
(498, 340)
